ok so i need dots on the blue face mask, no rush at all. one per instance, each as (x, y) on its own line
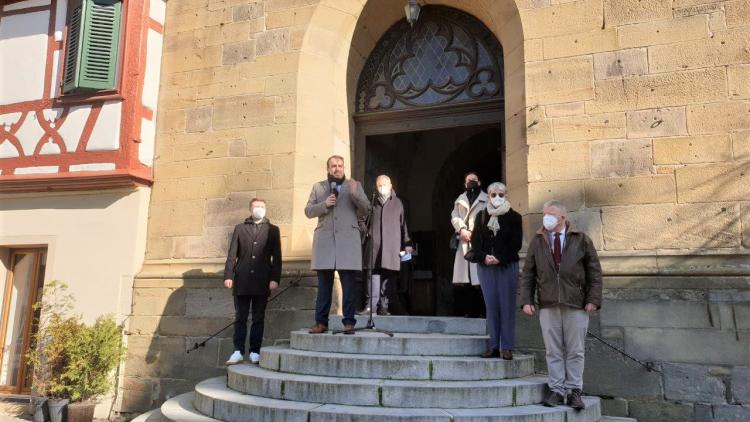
(549, 221)
(259, 213)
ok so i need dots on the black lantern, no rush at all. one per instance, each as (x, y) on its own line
(412, 10)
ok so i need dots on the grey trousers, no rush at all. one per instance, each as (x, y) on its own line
(377, 290)
(380, 288)
(564, 333)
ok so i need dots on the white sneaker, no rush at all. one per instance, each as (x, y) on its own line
(235, 358)
(254, 357)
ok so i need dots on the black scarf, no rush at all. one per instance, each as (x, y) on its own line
(338, 182)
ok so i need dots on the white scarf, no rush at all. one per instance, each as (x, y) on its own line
(493, 224)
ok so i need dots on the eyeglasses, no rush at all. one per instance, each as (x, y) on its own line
(494, 194)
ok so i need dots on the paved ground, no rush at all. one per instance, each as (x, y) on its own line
(18, 412)
(11, 412)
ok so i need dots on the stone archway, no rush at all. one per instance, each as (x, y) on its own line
(336, 44)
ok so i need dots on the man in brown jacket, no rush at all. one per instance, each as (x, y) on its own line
(562, 269)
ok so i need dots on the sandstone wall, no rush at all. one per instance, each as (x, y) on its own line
(635, 113)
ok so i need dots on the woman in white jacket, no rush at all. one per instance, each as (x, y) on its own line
(465, 209)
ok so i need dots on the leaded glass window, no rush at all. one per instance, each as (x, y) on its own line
(447, 57)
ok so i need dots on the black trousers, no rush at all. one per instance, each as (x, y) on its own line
(242, 306)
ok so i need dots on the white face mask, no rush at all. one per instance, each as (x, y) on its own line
(259, 213)
(549, 222)
(497, 201)
(384, 190)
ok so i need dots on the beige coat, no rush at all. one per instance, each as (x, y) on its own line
(463, 217)
(337, 241)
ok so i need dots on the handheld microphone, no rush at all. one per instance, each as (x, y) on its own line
(334, 190)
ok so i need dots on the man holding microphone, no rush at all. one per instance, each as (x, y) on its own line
(338, 204)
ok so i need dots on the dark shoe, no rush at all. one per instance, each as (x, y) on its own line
(553, 399)
(383, 311)
(507, 354)
(491, 353)
(318, 329)
(348, 329)
(575, 401)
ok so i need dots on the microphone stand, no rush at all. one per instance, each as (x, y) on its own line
(370, 321)
(196, 345)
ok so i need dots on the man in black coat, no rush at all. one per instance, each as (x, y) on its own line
(388, 236)
(252, 270)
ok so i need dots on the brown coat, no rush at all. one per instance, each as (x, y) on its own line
(388, 235)
(576, 283)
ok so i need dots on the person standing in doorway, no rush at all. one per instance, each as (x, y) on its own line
(495, 242)
(252, 270)
(337, 203)
(562, 268)
(465, 210)
(388, 236)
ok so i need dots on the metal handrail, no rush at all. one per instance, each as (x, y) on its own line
(650, 366)
(196, 346)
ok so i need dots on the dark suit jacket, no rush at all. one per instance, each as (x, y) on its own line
(504, 245)
(254, 258)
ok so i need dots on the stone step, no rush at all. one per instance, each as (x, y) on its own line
(436, 368)
(617, 419)
(222, 403)
(181, 409)
(419, 324)
(256, 381)
(405, 344)
(151, 416)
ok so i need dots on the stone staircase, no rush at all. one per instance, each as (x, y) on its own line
(429, 371)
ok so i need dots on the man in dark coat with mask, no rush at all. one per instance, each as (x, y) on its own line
(252, 270)
(388, 236)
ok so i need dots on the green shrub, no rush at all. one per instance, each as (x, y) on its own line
(70, 359)
(92, 354)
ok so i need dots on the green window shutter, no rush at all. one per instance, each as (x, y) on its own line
(91, 57)
(73, 48)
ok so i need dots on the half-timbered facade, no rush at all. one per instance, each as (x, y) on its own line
(79, 83)
(58, 137)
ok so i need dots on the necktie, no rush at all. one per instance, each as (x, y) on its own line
(557, 253)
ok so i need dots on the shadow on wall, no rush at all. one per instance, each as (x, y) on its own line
(171, 315)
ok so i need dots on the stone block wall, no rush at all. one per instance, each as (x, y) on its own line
(642, 117)
(696, 336)
(173, 313)
(635, 113)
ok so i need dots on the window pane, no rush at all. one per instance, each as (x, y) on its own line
(35, 318)
(17, 313)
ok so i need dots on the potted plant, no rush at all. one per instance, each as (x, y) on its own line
(72, 362)
(46, 356)
(93, 354)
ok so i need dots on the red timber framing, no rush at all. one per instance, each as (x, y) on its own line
(129, 171)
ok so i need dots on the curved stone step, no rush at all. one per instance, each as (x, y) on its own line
(405, 344)
(181, 409)
(251, 379)
(225, 404)
(150, 416)
(436, 368)
(419, 324)
(213, 398)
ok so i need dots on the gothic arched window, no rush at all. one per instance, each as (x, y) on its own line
(447, 57)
